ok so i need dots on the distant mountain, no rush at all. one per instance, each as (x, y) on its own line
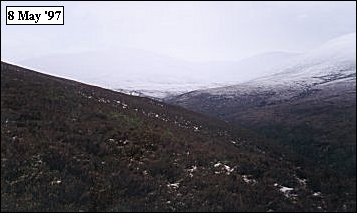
(333, 61)
(148, 74)
(68, 146)
(309, 105)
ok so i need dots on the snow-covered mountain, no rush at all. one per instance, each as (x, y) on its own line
(335, 61)
(144, 73)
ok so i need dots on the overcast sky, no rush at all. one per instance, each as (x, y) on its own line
(194, 31)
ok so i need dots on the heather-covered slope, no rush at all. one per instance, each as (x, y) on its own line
(70, 146)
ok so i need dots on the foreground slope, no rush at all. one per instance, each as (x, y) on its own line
(308, 106)
(67, 146)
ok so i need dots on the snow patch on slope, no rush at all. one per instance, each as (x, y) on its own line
(333, 61)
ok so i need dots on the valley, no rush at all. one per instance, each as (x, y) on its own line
(308, 107)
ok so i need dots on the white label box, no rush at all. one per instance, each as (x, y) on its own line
(34, 15)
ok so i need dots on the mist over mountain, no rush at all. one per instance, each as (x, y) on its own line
(142, 73)
(336, 59)
(150, 74)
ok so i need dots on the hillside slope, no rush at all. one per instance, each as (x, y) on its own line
(309, 106)
(67, 146)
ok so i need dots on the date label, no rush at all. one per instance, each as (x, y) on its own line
(35, 15)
